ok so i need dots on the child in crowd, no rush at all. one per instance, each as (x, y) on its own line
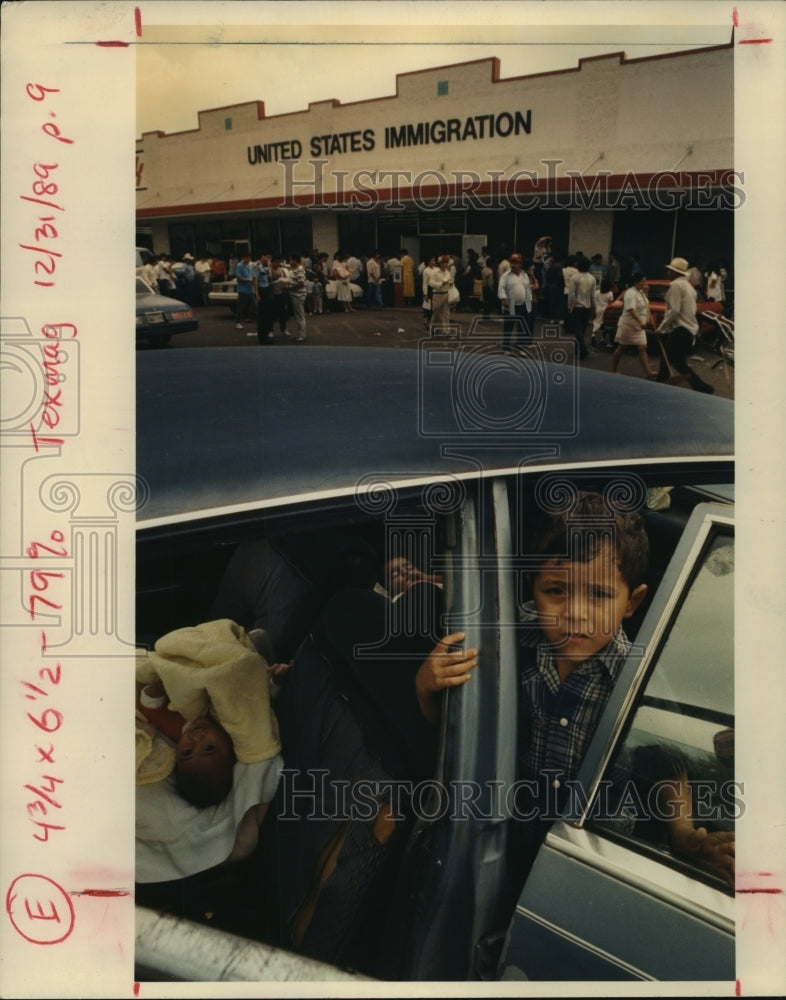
(316, 292)
(204, 705)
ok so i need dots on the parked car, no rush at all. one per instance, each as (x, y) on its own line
(443, 454)
(226, 291)
(158, 317)
(223, 291)
(657, 296)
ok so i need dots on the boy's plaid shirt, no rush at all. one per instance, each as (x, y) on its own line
(561, 717)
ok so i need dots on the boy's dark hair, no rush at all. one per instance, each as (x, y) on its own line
(590, 518)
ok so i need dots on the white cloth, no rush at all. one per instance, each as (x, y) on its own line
(602, 299)
(175, 839)
(716, 291)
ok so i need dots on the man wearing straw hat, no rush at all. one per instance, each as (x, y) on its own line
(678, 330)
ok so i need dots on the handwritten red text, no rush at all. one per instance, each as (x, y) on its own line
(44, 189)
(52, 402)
(46, 720)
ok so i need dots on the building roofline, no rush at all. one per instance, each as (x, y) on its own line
(494, 61)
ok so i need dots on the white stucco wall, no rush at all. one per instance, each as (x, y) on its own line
(590, 231)
(641, 115)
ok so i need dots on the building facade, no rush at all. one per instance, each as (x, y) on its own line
(635, 155)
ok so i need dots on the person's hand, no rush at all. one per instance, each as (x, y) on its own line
(155, 689)
(714, 851)
(418, 576)
(277, 670)
(443, 668)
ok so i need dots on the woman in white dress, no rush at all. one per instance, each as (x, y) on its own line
(343, 287)
(632, 325)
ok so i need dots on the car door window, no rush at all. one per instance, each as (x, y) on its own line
(669, 787)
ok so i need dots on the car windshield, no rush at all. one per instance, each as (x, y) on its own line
(142, 287)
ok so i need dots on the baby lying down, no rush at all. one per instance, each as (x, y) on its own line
(207, 749)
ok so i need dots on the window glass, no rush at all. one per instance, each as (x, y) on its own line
(670, 785)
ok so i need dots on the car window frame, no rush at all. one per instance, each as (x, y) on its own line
(704, 524)
(665, 606)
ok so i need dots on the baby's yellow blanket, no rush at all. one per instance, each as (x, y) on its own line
(209, 669)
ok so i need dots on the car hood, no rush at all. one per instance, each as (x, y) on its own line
(224, 428)
(153, 301)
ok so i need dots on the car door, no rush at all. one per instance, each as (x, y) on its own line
(608, 898)
(456, 859)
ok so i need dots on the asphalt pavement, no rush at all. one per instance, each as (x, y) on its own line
(393, 327)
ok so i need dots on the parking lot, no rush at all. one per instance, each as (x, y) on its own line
(404, 327)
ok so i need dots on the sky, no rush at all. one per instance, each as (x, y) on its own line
(197, 56)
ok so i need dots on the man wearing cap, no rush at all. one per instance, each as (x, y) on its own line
(515, 295)
(679, 327)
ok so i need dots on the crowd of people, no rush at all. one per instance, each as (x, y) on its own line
(572, 289)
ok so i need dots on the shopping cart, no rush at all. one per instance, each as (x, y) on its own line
(722, 341)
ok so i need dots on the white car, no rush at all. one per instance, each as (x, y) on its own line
(226, 291)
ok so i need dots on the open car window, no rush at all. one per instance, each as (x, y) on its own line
(669, 787)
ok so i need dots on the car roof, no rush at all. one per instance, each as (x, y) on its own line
(222, 429)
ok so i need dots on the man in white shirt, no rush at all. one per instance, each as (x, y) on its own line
(679, 328)
(150, 274)
(581, 304)
(353, 266)
(202, 269)
(374, 272)
(515, 295)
